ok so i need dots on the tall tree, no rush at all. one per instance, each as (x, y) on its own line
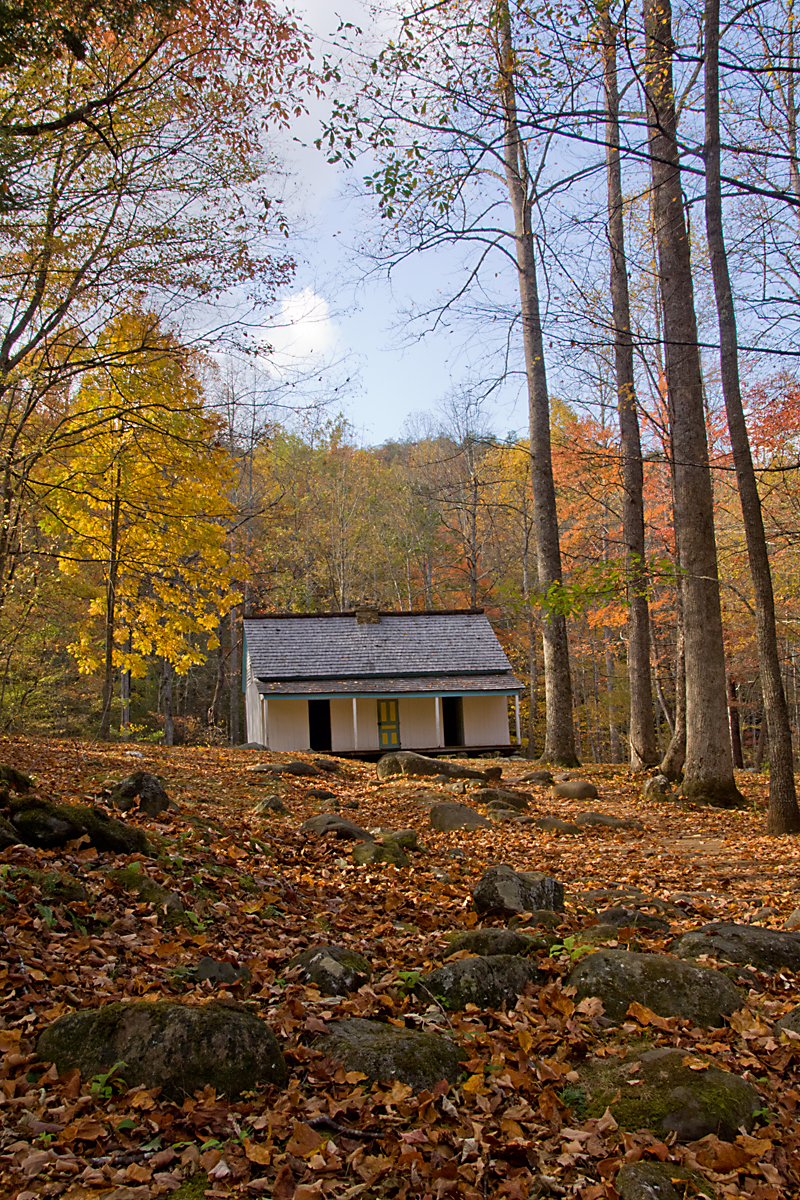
(708, 772)
(784, 815)
(641, 733)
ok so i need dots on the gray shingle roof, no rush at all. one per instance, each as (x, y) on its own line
(391, 685)
(403, 644)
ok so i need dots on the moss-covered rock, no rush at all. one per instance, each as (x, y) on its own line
(335, 970)
(173, 1046)
(18, 781)
(490, 981)
(665, 985)
(386, 851)
(656, 1181)
(387, 1052)
(131, 879)
(8, 834)
(767, 949)
(492, 941)
(63, 889)
(223, 972)
(141, 790)
(50, 826)
(664, 1094)
(505, 891)
(408, 839)
(407, 762)
(333, 823)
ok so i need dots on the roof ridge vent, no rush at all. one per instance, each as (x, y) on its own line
(367, 614)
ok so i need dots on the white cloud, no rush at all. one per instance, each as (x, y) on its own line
(302, 332)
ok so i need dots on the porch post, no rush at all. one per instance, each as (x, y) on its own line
(355, 723)
(437, 707)
(265, 720)
(516, 715)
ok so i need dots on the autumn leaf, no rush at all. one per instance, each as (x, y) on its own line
(304, 1141)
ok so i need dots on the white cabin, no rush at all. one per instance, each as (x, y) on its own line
(370, 681)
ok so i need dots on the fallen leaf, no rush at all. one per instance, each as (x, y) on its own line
(304, 1141)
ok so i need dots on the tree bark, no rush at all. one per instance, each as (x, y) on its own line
(733, 717)
(708, 772)
(166, 703)
(234, 679)
(559, 746)
(111, 602)
(784, 814)
(675, 754)
(643, 750)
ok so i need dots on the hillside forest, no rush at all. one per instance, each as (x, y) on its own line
(621, 189)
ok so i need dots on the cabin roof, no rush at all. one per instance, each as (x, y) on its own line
(405, 652)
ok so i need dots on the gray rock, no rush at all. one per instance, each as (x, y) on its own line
(252, 746)
(556, 825)
(517, 800)
(790, 1021)
(387, 1052)
(450, 815)
(632, 916)
(333, 823)
(793, 920)
(544, 778)
(18, 781)
(329, 765)
(320, 794)
(574, 789)
(669, 1097)
(540, 916)
(335, 970)
(505, 891)
(221, 972)
(176, 1047)
(385, 851)
(50, 826)
(153, 800)
(656, 1181)
(658, 788)
(406, 762)
(595, 818)
(407, 838)
(766, 949)
(491, 941)
(270, 804)
(458, 788)
(490, 981)
(290, 768)
(667, 986)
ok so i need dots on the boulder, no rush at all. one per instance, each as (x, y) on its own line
(766, 949)
(387, 1052)
(451, 815)
(622, 917)
(501, 796)
(149, 790)
(407, 838)
(131, 879)
(177, 1047)
(320, 794)
(556, 825)
(291, 768)
(658, 788)
(504, 891)
(790, 1022)
(603, 819)
(335, 970)
(574, 789)
(793, 920)
(490, 981)
(656, 1181)
(8, 834)
(50, 826)
(16, 780)
(270, 804)
(64, 889)
(329, 765)
(543, 778)
(491, 941)
(385, 851)
(333, 823)
(661, 1091)
(406, 762)
(252, 746)
(665, 985)
(221, 972)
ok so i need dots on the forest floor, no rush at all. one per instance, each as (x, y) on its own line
(258, 892)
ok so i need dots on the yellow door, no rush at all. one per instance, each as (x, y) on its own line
(388, 724)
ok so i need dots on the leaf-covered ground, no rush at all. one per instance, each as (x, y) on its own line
(257, 892)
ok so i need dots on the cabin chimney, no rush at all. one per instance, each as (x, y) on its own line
(367, 614)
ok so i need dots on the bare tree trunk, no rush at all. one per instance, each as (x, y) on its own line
(559, 744)
(708, 772)
(784, 815)
(761, 744)
(215, 707)
(125, 696)
(643, 751)
(675, 754)
(111, 600)
(235, 682)
(733, 717)
(166, 702)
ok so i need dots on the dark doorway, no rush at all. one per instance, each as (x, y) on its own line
(453, 721)
(319, 724)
